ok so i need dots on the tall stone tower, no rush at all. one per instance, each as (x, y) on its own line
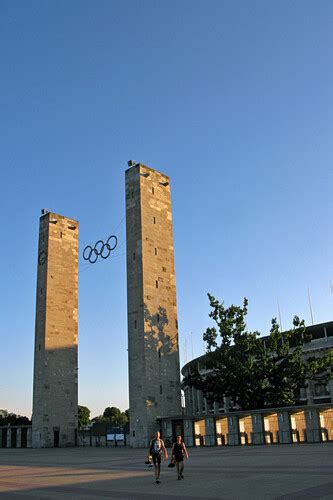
(154, 378)
(55, 392)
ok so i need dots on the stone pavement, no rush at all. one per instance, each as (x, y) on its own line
(257, 472)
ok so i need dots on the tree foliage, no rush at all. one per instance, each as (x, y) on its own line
(253, 372)
(98, 419)
(13, 419)
(126, 426)
(115, 417)
(83, 415)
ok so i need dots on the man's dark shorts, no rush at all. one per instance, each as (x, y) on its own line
(156, 458)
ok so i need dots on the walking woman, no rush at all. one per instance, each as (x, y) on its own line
(177, 453)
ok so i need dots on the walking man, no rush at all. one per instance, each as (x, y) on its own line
(177, 453)
(156, 448)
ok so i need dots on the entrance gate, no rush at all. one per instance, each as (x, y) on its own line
(326, 424)
(199, 433)
(298, 427)
(24, 437)
(4, 438)
(271, 426)
(221, 427)
(245, 429)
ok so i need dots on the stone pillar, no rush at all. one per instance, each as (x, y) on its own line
(310, 392)
(198, 401)
(210, 431)
(313, 434)
(9, 437)
(18, 437)
(233, 434)
(188, 432)
(29, 437)
(55, 389)
(226, 400)
(191, 404)
(284, 427)
(194, 400)
(153, 352)
(330, 388)
(257, 429)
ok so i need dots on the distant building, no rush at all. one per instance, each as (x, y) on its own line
(223, 424)
(153, 354)
(314, 393)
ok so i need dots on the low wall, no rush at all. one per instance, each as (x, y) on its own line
(15, 436)
(299, 424)
(302, 424)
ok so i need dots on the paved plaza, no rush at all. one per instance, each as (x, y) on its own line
(258, 472)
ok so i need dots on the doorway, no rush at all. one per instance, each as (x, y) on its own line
(4, 438)
(221, 429)
(199, 432)
(271, 426)
(24, 437)
(177, 429)
(298, 427)
(56, 438)
(13, 438)
(245, 429)
(326, 424)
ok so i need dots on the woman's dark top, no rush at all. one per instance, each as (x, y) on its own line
(178, 452)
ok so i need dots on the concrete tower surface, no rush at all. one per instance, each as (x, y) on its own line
(55, 392)
(154, 378)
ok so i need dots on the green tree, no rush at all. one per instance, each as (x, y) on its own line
(13, 419)
(98, 419)
(126, 426)
(115, 417)
(253, 372)
(83, 415)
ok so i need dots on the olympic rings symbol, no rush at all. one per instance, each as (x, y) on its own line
(100, 249)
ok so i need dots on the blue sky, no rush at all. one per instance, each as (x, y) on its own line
(231, 99)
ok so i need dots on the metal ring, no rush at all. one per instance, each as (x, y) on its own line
(102, 244)
(92, 253)
(84, 251)
(107, 241)
(107, 246)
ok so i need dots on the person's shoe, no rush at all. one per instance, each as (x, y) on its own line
(181, 476)
(158, 481)
(178, 478)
